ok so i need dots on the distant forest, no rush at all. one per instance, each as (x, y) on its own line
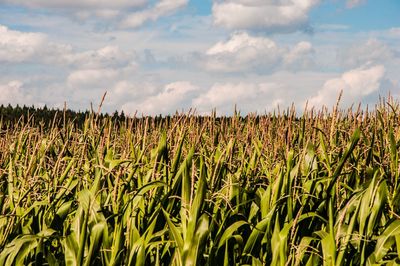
(10, 115)
(46, 117)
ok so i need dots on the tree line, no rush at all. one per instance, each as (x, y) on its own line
(45, 116)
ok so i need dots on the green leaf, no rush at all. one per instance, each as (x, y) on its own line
(386, 240)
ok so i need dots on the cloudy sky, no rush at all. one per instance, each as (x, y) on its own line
(159, 56)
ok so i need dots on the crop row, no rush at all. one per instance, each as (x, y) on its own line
(279, 189)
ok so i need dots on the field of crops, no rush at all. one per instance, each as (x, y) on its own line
(320, 188)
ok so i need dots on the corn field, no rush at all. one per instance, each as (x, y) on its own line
(320, 188)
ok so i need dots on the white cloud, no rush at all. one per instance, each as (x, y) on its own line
(241, 52)
(137, 89)
(174, 96)
(17, 46)
(182, 95)
(99, 69)
(132, 13)
(354, 3)
(90, 68)
(92, 77)
(372, 51)
(260, 54)
(239, 41)
(300, 56)
(77, 4)
(162, 8)
(249, 97)
(252, 93)
(105, 14)
(356, 84)
(13, 93)
(271, 15)
(108, 56)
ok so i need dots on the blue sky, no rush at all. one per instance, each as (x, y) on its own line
(162, 56)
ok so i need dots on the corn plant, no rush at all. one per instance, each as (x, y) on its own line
(320, 188)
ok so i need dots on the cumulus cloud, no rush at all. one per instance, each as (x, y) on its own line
(174, 95)
(182, 95)
(249, 97)
(270, 15)
(91, 77)
(108, 56)
(356, 84)
(261, 54)
(130, 13)
(17, 46)
(77, 4)
(300, 56)
(13, 93)
(372, 51)
(98, 67)
(162, 8)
